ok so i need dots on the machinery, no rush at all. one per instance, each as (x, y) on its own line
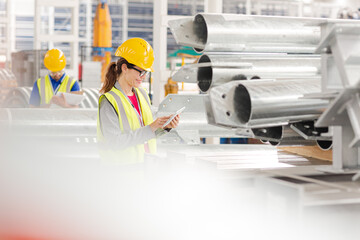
(102, 36)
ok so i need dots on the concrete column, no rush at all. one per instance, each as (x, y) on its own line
(125, 13)
(213, 6)
(89, 21)
(160, 50)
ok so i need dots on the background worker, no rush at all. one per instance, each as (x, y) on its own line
(125, 120)
(57, 81)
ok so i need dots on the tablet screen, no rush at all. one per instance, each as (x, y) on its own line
(173, 116)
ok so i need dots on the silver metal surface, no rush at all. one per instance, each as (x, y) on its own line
(265, 103)
(228, 156)
(187, 73)
(193, 118)
(19, 98)
(307, 130)
(49, 122)
(341, 67)
(313, 189)
(342, 58)
(343, 113)
(244, 33)
(281, 136)
(225, 68)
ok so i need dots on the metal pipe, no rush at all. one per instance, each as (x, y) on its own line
(281, 136)
(225, 68)
(269, 101)
(268, 134)
(293, 142)
(49, 122)
(19, 98)
(288, 137)
(244, 33)
(324, 144)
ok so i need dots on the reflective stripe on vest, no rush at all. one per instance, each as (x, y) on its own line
(128, 121)
(46, 91)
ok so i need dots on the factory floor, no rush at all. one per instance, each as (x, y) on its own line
(185, 192)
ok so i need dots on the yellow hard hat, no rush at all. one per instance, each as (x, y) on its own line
(55, 60)
(137, 51)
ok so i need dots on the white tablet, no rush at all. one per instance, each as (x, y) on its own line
(173, 116)
(71, 98)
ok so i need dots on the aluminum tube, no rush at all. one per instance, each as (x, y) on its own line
(225, 68)
(289, 137)
(268, 134)
(49, 122)
(293, 142)
(19, 98)
(261, 101)
(244, 33)
(278, 134)
(324, 145)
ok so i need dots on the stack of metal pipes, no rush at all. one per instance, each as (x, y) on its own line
(259, 73)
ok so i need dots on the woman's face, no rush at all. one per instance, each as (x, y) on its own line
(135, 76)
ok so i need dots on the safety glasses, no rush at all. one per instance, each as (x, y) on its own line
(54, 74)
(142, 73)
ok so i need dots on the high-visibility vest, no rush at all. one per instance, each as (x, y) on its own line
(46, 91)
(128, 121)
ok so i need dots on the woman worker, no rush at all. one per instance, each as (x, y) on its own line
(126, 129)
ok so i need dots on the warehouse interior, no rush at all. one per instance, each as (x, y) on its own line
(267, 145)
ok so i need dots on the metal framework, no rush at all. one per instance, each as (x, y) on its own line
(160, 41)
(341, 62)
(51, 37)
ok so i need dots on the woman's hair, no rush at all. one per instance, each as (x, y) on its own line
(114, 70)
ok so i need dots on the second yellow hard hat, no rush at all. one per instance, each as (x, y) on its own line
(55, 60)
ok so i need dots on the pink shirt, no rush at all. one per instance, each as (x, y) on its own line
(136, 105)
(135, 102)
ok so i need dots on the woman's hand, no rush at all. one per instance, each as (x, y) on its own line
(174, 123)
(159, 122)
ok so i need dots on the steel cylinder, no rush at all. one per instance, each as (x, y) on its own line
(262, 101)
(243, 33)
(324, 144)
(289, 137)
(225, 68)
(49, 122)
(19, 98)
